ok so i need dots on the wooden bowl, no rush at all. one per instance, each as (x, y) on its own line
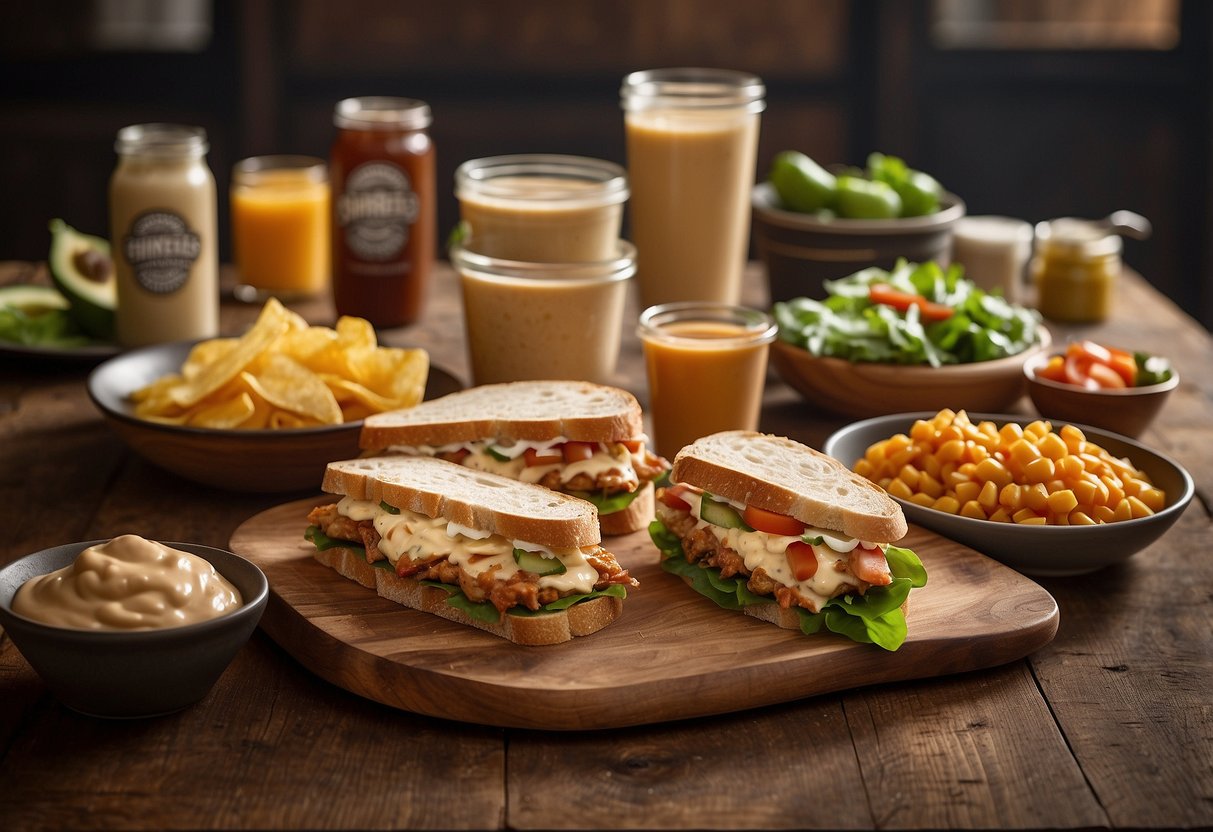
(1127, 411)
(864, 389)
(801, 251)
(266, 461)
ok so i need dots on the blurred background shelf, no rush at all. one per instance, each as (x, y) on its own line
(1024, 108)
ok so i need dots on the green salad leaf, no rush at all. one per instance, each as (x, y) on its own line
(322, 541)
(872, 618)
(608, 503)
(847, 324)
(51, 328)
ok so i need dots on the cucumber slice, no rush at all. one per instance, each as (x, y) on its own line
(537, 563)
(720, 514)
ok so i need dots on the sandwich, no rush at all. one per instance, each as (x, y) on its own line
(771, 527)
(578, 438)
(511, 558)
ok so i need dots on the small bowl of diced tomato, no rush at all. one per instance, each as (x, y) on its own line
(1099, 385)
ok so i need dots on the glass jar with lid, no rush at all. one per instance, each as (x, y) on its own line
(164, 236)
(384, 222)
(1075, 268)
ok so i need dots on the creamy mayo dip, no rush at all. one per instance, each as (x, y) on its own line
(128, 583)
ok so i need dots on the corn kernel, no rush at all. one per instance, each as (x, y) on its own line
(988, 496)
(1062, 502)
(1153, 497)
(1080, 518)
(1053, 446)
(973, 509)
(898, 488)
(946, 503)
(909, 475)
(1024, 515)
(951, 450)
(1040, 469)
(921, 499)
(1036, 498)
(1137, 508)
(921, 431)
(929, 485)
(999, 515)
(991, 470)
(967, 491)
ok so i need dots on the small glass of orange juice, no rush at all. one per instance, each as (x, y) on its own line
(707, 365)
(280, 227)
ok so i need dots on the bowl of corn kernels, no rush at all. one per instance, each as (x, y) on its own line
(1044, 497)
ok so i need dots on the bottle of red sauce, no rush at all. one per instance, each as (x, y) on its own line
(384, 216)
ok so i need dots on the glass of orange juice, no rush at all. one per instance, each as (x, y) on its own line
(280, 226)
(707, 365)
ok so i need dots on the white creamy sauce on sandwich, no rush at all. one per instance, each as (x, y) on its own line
(768, 552)
(425, 538)
(607, 457)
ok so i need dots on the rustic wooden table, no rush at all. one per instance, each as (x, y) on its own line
(1109, 726)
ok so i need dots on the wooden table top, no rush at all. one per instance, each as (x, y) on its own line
(1108, 726)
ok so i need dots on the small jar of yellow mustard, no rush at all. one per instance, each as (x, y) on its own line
(1075, 268)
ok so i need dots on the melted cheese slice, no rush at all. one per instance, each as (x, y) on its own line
(424, 538)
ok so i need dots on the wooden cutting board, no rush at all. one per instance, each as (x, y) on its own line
(672, 655)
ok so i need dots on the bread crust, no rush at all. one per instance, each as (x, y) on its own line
(784, 476)
(477, 499)
(635, 517)
(552, 628)
(530, 410)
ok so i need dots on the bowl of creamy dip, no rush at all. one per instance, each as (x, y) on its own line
(130, 627)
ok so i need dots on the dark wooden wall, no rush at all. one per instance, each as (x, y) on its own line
(1028, 134)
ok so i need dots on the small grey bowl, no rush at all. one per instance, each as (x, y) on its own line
(138, 673)
(1036, 550)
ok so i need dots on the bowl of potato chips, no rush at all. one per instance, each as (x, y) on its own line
(262, 412)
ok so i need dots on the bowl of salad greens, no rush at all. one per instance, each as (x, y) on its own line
(916, 337)
(813, 224)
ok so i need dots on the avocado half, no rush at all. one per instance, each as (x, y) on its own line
(82, 269)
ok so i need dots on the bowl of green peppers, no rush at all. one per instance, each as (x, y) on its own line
(812, 224)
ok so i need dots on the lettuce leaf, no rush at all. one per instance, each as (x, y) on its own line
(485, 611)
(322, 541)
(872, 618)
(608, 503)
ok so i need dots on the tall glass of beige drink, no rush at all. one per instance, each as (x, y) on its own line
(529, 320)
(163, 219)
(692, 144)
(542, 208)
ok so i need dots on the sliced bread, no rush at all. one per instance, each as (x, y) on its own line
(534, 410)
(784, 476)
(479, 500)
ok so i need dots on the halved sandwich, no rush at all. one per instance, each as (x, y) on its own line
(511, 558)
(570, 436)
(771, 527)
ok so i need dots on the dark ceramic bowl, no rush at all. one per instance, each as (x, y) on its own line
(139, 673)
(802, 250)
(268, 461)
(1036, 550)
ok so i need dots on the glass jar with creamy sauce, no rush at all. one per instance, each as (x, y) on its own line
(164, 235)
(1075, 268)
(384, 219)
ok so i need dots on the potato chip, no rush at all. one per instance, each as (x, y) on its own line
(288, 385)
(273, 321)
(283, 373)
(225, 413)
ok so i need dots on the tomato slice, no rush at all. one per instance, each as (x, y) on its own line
(1054, 370)
(633, 445)
(578, 451)
(886, 295)
(771, 522)
(870, 565)
(551, 456)
(1106, 376)
(1125, 365)
(672, 497)
(1077, 370)
(802, 560)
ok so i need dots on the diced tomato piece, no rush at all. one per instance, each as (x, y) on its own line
(578, 451)
(633, 445)
(870, 565)
(1054, 370)
(672, 497)
(802, 560)
(1105, 376)
(1125, 365)
(1094, 351)
(886, 295)
(552, 456)
(1078, 371)
(771, 522)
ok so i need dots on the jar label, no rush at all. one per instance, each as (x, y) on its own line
(376, 209)
(161, 249)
